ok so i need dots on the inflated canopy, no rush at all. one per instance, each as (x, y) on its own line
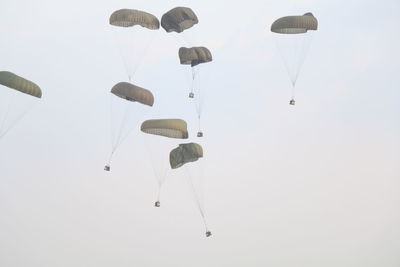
(194, 55)
(132, 17)
(172, 128)
(20, 84)
(132, 92)
(185, 153)
(295, 24)
(178, 19)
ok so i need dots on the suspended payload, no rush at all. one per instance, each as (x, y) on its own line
(20, 84)
(185, 153)
(178, 19)
(293, 40)
(194, 56)
(172, 128)
(132, 17)
(13, 104)
(133, 93)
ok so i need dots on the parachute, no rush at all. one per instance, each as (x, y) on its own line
(13, 104)
(295, 24)
(123, 118)
(133, 93)
(172, 128)
(293, 40)
(132, 17)
(185, 153)
(179, 19)
(132, 41)
(160, 137)
(195, 56)
(180, 157)
(20, 84)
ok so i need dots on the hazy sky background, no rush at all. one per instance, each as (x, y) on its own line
(317, 184)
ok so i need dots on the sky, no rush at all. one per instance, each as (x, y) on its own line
(316, 184)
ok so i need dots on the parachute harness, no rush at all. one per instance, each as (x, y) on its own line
(131, 71)
(161, 183)
(197, 199)
(161, 177)
(121, 136)
(294, 58)
(5, 129)
(199, 99)
(193, 79)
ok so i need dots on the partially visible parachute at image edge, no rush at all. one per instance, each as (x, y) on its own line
(132, 17)
(295, 24)
(13, 105)
(185, 153)
(133, 93)
(172, 128)
(179, 19)
(194, 56)
(20, 84)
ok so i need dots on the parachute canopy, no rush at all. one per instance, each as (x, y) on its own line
(132, 92)
(295, 24)
(132, 17)
(20, 84)
(172, 128)
(194, 55)
(178, 19)
(185, 153)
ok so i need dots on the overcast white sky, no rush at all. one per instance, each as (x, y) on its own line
(314, 185)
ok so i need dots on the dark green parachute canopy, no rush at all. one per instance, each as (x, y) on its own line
(178, 19)
(132, 92)
(194, 55)
(20, 84)
(172, 128)
(185, 153)
(295, 24)
(132, 17)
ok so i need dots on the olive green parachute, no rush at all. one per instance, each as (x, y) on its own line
(178, 19)
(172, 128)
(132, 92)
(132, 17)
(293, 40)
(20, 84)
(185, 153)
(194, 55)
(295, 24)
